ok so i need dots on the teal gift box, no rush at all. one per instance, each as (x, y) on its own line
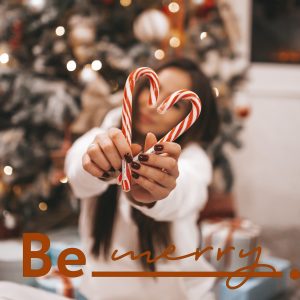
(53, 282)
(56, 248)
(259, 288)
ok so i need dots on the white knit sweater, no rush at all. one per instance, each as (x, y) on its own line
(181, 207)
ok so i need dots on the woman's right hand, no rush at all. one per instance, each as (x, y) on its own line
(104, 155)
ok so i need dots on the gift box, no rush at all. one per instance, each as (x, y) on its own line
(54, 281)
(11, 260)
(225, 233)
(57, 247)
(259, 288)
(59, 284)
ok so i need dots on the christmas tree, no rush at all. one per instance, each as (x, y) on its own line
(64, 64)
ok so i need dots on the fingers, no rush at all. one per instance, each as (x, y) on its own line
(149, 141)
(112, 148)
(91, 167)
(97, 156)
(109, 150)
(120, 142)
(171, 148)
(153, 174)
(161, 162)
(136, 148)
(157, 191)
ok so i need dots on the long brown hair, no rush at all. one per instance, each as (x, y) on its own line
(154, 235)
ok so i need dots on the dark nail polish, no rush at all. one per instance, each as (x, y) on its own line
(120, 170)
(135, 165)
(105, 176)
(111, 169)
(143, 157)
(128, 158)
(135, 175)
(158, 147)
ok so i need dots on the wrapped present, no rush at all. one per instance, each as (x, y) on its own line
(225, 233)
(57, 247)
(54, 281)
(11, 260)
(259, 288)
(58, 283)
(15, 291)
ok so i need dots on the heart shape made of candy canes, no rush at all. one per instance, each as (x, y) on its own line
(125, 177)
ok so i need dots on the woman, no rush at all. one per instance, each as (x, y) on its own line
(169, 188)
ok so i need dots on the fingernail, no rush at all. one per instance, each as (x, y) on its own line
(135, 165)
(111, 169)
(128, 158)
(120, 170)
(158, 147)
(135, 175)
(105, 175)
(143, 157)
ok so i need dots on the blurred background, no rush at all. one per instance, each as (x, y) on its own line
(63, 65)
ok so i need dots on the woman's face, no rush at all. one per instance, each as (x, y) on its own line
(171, 79)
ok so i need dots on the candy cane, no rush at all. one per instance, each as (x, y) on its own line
(173, 134)
(186, 123)
(125, 176)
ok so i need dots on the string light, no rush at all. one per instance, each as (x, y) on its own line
(64, 179)
(174, 42)
(217, 93)
(125, 2)
(203, 35)
(4, 58)
(8, 170)
(96, 65)
(159, 54)
(43, 206)
(173, 7)
(60, 31)
(71, 65)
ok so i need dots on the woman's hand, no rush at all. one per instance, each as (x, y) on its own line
(154, 176)
(103, 158)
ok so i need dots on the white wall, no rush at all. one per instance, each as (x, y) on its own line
(267, 168)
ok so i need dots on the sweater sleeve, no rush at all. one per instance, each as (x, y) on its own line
(82, 183)
(190, 193)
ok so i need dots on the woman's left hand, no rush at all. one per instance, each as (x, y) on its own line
(154, 175)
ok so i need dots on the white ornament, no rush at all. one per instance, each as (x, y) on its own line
(9, 220)
(36, 5)
(152, 25)
(87, 74)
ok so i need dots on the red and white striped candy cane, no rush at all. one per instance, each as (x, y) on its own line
(125, 177)
(186, 123)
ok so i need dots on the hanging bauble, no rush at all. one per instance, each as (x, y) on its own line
(16, 38)
(36, 6)
(82, 31)
(82, 35)
(202, 8)
(242, 105)
(150, 26)
(10, 221)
